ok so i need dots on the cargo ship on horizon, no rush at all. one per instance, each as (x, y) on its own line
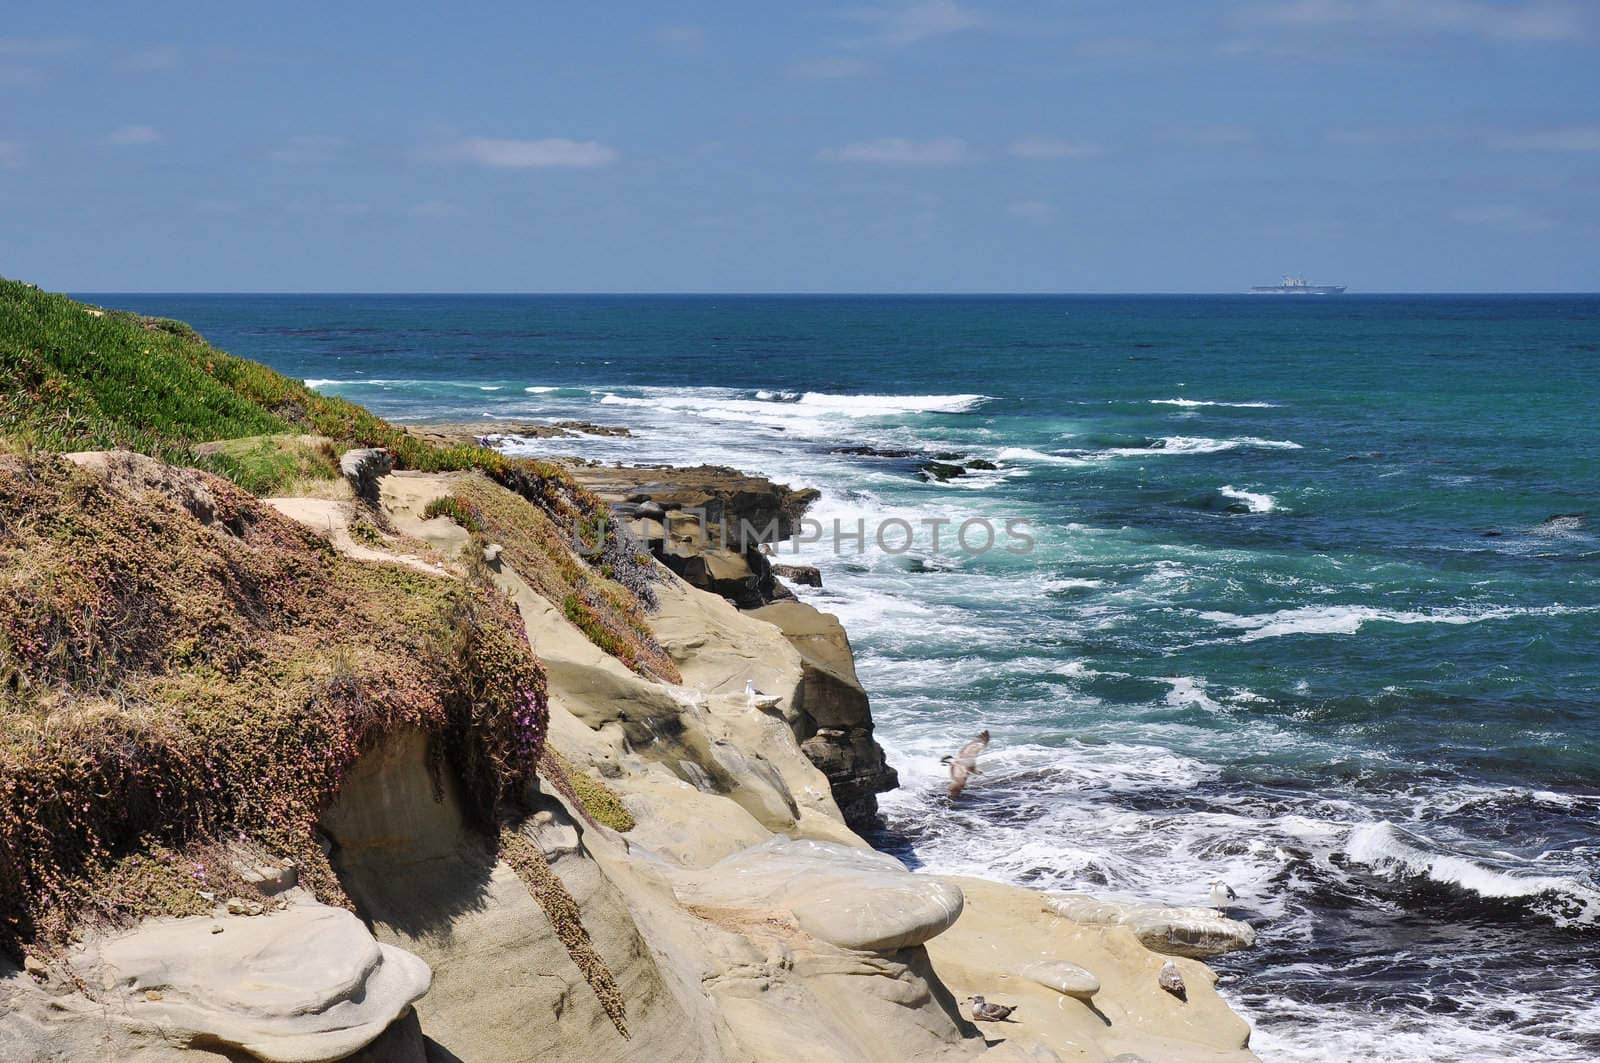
(1297, 286)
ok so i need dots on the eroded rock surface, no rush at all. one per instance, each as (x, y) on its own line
(852, 898)
(1176, 931)
(302, 984)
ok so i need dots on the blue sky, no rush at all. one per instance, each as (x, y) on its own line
(936, 145)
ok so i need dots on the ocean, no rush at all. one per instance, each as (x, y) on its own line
(1311, 605)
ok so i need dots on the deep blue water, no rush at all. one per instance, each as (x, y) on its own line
(1313, 603)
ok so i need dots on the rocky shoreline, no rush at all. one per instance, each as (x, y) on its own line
(688, 887)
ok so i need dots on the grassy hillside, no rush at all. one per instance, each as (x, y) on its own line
(75, 377)
(175, 678)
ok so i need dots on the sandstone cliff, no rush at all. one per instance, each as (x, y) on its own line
(685, 886)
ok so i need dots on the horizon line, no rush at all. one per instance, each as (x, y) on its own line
(813, 294)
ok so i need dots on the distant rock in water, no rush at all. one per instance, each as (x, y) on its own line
(940, 471)
(873, 452)
(805, 575)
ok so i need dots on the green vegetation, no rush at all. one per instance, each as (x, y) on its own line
(528, 861)
(265, 465)
(168, 684)
(457, 509)
(609, 614)
(73, 377)
(594, 799)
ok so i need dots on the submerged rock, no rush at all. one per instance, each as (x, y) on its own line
(940, 471)
(852, 898)
(301, 985)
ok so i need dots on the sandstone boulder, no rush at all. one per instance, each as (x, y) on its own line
(302, 984)
(1066, 978)
(364, 467)
(851, 898)
(1193, 932)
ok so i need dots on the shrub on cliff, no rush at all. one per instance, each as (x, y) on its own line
(168, 681)
(541, 548)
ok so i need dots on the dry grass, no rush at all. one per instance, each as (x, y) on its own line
(164, 684)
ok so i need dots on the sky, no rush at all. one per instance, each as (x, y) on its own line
(923, 146)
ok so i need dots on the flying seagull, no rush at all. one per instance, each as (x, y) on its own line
(965, 763)
(1222, 895)
(1171, 979)
(983, 1011)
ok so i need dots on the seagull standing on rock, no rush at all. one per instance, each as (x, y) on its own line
(965, 763)
(759, 699)
(1222, 895)
(983, 1011)
(1171, 979)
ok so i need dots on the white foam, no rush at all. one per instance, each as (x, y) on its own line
(1348, 619)
(542, 389)
(488, 387)
(879, 405)
(1188, 691)
(1388, 850)
(1258, 502)
(1058, 585)
(1200, 402)
(1196, 445)
(317, 382)
(1029, 454)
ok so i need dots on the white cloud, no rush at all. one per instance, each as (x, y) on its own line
(550, 153)
(1507, 218)
(307, 150)
(910, 23)
(1529, 20)
(831, 68)
(134, 136)
(941, 151)
(1571, 138)
(1055, 148)
(1033, 210)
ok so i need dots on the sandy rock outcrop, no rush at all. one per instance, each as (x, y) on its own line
(834, 719)
(301, 984)
(364, 467)
(852, 898)
(140, 475)
(1006, 939)
(1177, 931)
(505, 987)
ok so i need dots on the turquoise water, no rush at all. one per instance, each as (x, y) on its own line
(1312, 604)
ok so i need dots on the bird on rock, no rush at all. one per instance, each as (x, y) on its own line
(965, 763)
(757, 698)
(1222, 895)
(1171, 979)
(983, 1011)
